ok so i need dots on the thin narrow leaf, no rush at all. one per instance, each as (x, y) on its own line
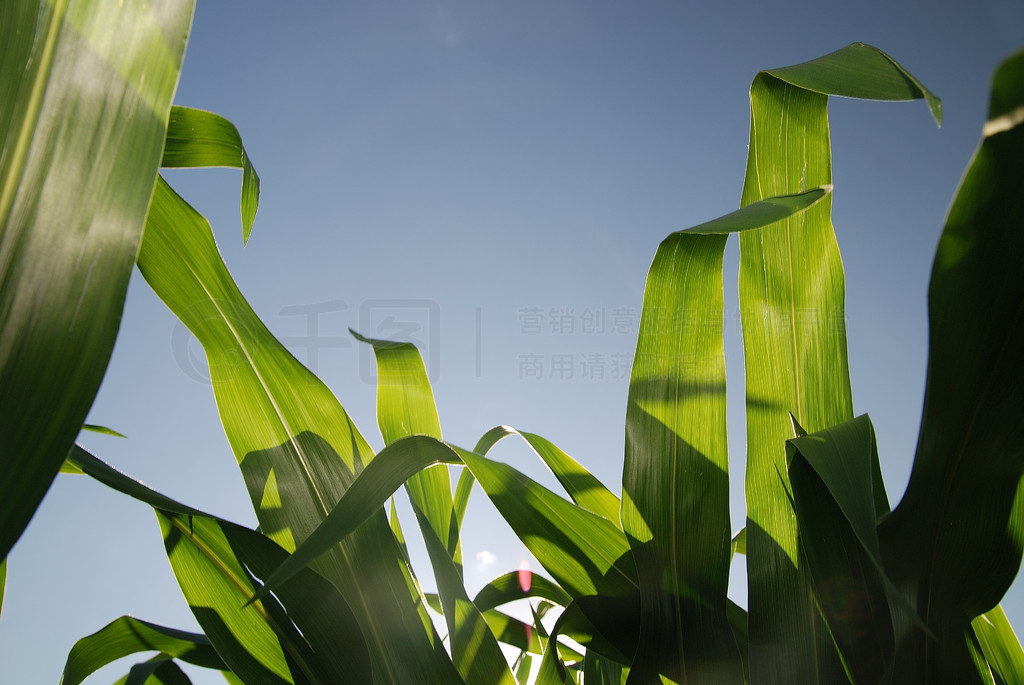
(203, 139)
(3, 581)
(1001, 646)
(102, 430)
(297, 448)
(792, 310)
(955, 540)
(475, 650)
(405, 406)
(127, 635)
(85, 89)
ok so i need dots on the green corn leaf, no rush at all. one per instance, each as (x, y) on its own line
(460, 501)
(831, 473)
(675, 507)
(585, 490)
(326, 622)
(508, 588)
(1000, 644)
(954, 542)
(85, 90)
(216, 586)
(405, 406)
(159, 670)
(125, 636)
(475, 650)
(3, 581)
(102, 430)
(203, 139)
(296, 446)
(792, 291)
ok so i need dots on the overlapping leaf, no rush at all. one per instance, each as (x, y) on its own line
(296, 446)
(675, 506)
(85, 90)
(792, 291)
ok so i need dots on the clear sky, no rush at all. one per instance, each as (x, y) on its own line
(491, 179)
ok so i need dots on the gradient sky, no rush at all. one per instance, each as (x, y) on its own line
(492, 179)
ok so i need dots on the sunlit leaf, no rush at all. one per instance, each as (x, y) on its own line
(85, 90)
(792, 291)
(125, 636)
(1000, 644)
(203, 139)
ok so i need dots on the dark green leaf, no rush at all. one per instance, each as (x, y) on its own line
(954, 542)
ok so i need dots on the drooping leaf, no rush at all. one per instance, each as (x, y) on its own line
(85, 90)
(127, 635)
(297, 448)
(203, 139)
(159, 670)
(102, 430)
(326, 622)
(954, 542)
(792, 290)
(584, 489)
(507, 588)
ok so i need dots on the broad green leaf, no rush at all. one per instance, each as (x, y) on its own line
(297, 448)
(127, 635)
(792, 291)
(460, 501)
(475, 650)
(1001, 646)
(85, 90)
(831, 473)
(405, 406)
(203, 139)
(216, 586)
(954, 542)
(675, 507)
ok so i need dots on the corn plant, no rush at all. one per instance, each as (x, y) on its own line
(842, 588)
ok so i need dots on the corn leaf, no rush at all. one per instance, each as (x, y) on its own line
(405, 406)
(792, 291)
(508, 588)
(675, 507)
(954, 542)
(585, 490)
(475, 650)
(156, 671)
(1000, 644)
(297, 448)
(831, 473)
(125, 636)
(203, 139)
(85, 90)
(3, 581)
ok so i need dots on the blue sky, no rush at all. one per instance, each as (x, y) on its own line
(492, 179)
